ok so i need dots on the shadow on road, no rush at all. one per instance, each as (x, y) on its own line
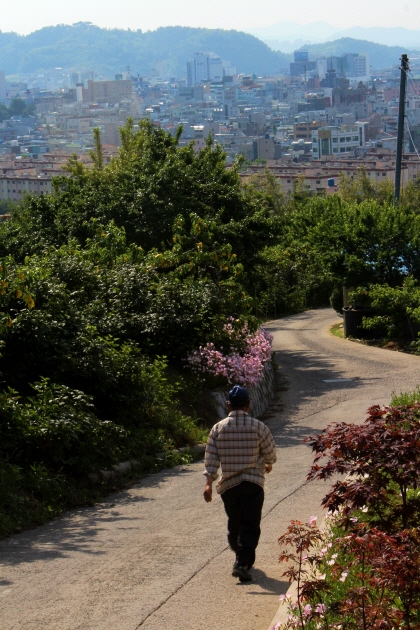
(304, 381)
(76, 530)
(269, 584)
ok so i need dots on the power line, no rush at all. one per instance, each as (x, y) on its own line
(410, 78)
(411, 137)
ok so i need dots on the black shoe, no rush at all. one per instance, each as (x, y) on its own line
(242, 573)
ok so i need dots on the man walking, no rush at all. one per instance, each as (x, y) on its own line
(245, 450)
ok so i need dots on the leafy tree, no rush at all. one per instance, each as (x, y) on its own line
(267, 186)
(398, 308)
(144, 189)
(361, 188)
(381, 461)
(4, 112)
(17, 107)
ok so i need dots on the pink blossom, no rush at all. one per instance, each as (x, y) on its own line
(244, 369)
(313, 520)
(307, 610)
(343, 576)
(321, 608)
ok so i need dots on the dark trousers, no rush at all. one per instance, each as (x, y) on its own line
(243, 505)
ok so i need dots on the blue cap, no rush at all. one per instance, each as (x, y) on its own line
(238, 396)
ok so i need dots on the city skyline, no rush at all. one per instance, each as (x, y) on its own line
(237, 14)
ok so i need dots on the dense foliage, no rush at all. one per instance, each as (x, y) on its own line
(110, 282)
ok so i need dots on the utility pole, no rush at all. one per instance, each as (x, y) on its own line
(401, 121)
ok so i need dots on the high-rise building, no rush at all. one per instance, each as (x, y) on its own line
(205, 66)
(351, 65)
(358, 66)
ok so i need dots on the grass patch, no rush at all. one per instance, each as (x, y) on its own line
(397, 345)
(338, 330)
(406, 398)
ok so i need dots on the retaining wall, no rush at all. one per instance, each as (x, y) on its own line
(261, 395)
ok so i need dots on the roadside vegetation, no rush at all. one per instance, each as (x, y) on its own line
(136, 284)
(362, 569)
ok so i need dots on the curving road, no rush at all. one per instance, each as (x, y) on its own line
(154, 557)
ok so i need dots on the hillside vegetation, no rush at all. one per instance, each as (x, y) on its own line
(110, 283)
(84, 46)
(380, 56)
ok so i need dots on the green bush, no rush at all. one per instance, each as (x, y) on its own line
(398, 308)
(57, 428)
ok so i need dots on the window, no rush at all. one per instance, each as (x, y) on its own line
(342, 139)
(335, 139)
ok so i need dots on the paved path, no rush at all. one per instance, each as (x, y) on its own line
(155, 557)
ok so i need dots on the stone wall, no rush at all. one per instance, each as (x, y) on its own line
(261, 395)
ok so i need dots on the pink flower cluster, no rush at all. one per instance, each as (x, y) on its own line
(243, 368)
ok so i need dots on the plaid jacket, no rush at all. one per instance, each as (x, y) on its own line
(241, 446)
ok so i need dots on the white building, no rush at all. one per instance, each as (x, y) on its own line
(337, 141)
(322, 67)
(358, 67)
(355, 66)
(205, 66)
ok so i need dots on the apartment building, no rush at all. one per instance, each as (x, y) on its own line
(337, 140)
(108, 91)
(324, 176)
(14, 187)
(303, 131)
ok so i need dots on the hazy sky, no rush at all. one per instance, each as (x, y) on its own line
(25, 16)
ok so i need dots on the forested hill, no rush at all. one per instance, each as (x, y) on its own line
(380, 56)
(84, 46)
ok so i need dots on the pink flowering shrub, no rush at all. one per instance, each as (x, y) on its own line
(243, 362)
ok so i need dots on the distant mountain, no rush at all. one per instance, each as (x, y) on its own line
(287, 34)
(379, 56)
(386, 36)
(84, 46)
(316, 32)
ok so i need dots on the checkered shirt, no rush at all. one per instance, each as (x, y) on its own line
(241, 446)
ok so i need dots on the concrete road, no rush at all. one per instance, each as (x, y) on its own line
(155, 556)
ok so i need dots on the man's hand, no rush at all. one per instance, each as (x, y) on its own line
(208, 490)
(268, 468)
